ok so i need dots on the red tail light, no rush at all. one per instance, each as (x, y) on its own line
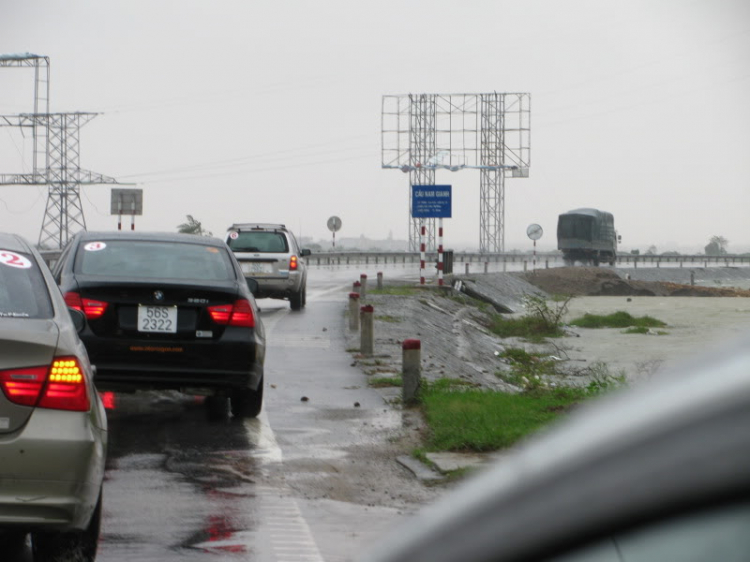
(238, 314)
(23, 386)
(62, 386)
(73, 300)
(242, 315)
(220, 313)
(91, 308)
(293, 263)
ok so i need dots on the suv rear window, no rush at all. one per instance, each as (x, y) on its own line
(259, 241)
(147, 259)
(23, 292)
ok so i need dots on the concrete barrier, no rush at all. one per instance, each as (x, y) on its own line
(367, 336)
(354, 311)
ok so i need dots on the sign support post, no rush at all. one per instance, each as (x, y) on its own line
(430, 201)
(534, 231)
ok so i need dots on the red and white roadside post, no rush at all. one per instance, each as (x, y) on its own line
(440, 252)
(380, 280)
(411, 370)
(363, 285)
(422, 243)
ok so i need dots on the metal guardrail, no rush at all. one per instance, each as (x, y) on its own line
(347, 258)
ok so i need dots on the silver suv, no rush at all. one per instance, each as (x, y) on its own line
(270, 254)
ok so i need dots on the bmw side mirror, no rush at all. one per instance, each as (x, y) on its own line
(305, 252)
(79, 319)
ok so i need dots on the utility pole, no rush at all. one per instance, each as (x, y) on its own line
(56, 158)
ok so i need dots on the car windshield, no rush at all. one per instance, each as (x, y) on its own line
(148, 259)
(23, 292)
(260, 241)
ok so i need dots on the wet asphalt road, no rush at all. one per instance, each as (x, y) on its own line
(179, 487)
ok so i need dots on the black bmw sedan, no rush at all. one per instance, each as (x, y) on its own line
(167, 312)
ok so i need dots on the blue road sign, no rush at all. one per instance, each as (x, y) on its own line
(431, 201)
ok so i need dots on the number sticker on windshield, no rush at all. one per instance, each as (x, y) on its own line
(94, 246)
(11, 259)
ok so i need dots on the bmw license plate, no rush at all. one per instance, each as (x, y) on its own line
(159, 319)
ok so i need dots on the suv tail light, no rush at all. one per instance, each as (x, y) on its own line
(238, 314)
(91, 308)
(61, 386)
(293, 263)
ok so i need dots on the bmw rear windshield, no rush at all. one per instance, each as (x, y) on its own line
(261, 241)
(23, 291)
(149, 259)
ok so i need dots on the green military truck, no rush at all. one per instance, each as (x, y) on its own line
(587, 236)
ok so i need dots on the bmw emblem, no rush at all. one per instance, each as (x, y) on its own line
(158, 295)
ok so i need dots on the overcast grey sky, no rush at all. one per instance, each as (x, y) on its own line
(240, 110)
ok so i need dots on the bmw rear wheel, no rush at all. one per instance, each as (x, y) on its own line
(217, 407)
(247, 403)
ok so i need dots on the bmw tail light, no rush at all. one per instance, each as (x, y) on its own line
(293, 263)
(94, 309)
(242, 314)
(91, 308)
(66, 386)
(61, 386)
(220, 313)
(73, 300)
(23, 386)
(238, 314)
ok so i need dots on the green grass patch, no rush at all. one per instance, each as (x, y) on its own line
(463, 419)
(543, 320)
(532, 328)
(385, 382)
(619, 319)
(527, 370)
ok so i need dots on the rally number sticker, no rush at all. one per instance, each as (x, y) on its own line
(94, 246)
(11, 259)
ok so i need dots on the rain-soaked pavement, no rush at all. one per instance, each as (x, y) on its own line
(179, 487)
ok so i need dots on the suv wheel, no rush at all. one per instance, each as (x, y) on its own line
(297, 300)
(247, 403)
